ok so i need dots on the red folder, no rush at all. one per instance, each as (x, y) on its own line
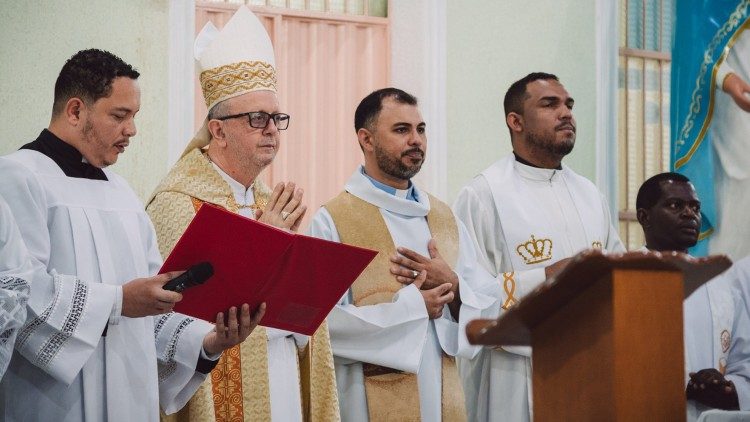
(300, 278)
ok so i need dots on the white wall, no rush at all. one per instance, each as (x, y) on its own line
(492, 43)
(418, 66)
(460, 72)
(39, 36)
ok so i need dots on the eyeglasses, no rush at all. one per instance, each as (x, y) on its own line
(260, 119)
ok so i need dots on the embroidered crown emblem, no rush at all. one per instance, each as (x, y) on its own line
(535, 250)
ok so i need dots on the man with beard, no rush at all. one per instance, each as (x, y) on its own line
(528, 214)
(396, 330)
(100, 343)
(670, 214)
(276, 374)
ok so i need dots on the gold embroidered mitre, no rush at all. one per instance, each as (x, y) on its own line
(231, 62)
(535, 250)
(236, 60)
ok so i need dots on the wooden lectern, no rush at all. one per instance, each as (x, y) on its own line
(606, 334)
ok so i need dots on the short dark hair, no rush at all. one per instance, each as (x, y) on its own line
(218, 110)
(88, 75)
(650, 191)
(369, 108)
(516, 94)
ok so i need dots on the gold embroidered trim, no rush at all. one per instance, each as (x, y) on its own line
(226, 383)
(535, 250)
(509, 285)
(726, 340)
(223, 82)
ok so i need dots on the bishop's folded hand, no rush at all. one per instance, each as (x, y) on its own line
(285, 209)
(234, 331)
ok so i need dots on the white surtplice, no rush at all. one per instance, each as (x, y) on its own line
(15, 273)
(66, 367)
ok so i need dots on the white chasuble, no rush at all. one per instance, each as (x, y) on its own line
(15, 275)
(66, 367)
(400, 335)
(524, 219)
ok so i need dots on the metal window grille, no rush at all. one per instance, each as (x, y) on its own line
(378, 8)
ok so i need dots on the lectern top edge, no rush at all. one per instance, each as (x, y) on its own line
(514, 326)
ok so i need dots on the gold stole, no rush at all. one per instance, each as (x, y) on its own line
(234, 394)
(393, 394)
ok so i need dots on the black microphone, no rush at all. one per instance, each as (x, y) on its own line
(195, 275)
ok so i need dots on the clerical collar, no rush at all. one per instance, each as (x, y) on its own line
(524, 162)
(243, 196)
(645, 248)
(66, 156)
(408, 193)
(531, 172)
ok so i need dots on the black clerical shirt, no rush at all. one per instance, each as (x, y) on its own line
(522, 161)
(66, 156)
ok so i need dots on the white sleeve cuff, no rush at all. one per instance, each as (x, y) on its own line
(116, 314)
(206, 356)
(721, 73)
(414, 300)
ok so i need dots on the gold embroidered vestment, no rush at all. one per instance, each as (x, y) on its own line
(392, 394)
(238, 388)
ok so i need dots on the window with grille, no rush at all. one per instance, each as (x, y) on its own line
(644, 82)
(351, 7)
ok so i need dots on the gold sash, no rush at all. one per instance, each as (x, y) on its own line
(393, 394)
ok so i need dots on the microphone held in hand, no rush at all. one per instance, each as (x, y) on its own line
(195, 275)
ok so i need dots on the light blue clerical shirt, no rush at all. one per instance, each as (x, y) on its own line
(410, 193)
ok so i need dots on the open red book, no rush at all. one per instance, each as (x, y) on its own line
(299, 277)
